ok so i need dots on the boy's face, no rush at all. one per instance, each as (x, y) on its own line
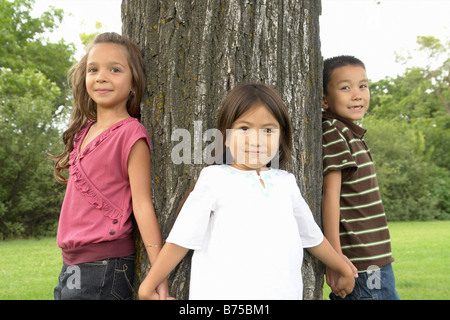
(348, 93)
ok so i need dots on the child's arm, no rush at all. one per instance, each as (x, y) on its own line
(330, 218)
(325, 253)
(144, 212)
(331, 208)
(168, 258)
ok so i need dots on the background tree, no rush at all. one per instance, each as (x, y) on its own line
(33, 96)
(195, 52)
(411, 112)
(23, 45)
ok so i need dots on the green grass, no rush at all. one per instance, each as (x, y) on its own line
(29, 269)
(421, 250)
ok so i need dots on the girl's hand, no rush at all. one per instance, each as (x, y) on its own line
(147, 292)
(332, 276)
(344, 285)
(163, 291)
(154, 286)
(160, 293)
(147, 295)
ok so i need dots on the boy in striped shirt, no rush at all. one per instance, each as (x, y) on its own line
(352, 211)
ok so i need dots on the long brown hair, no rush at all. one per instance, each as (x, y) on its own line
(241, 99)
(84, 108)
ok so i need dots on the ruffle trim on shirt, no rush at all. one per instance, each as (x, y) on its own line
(89, 192)
(91, 195)
(94, 143)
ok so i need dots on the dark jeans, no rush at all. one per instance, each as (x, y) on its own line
(376, 285)
(109, 279)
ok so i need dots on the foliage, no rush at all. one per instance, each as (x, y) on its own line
(86, 39)
(413, 187)
(24, 47)
(33, 99)
(409, 132)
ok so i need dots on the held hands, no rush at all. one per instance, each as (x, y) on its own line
(145, 295)
(160, 293)
(342, 284)
(155, 285)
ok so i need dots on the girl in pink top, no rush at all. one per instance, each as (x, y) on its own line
(107, 152)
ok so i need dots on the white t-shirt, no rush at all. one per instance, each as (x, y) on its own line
(248, 240)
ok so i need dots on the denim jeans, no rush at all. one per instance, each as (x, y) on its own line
(109, 279)
(373, 285)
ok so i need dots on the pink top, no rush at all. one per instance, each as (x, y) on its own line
(95, 218)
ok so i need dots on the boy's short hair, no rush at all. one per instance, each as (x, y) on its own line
(330, 64)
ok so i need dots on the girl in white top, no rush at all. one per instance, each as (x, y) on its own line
(247, 221)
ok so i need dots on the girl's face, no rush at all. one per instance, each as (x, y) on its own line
(108, 76)
(254, 138)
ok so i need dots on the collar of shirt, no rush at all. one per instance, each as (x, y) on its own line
(356, 129)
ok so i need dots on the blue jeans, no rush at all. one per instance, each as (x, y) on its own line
(375, 285)
(109, 279)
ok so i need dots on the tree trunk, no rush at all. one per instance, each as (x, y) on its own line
(195, 52)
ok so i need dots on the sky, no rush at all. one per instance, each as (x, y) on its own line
(371, 30)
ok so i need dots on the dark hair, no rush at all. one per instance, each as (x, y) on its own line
(331, 64)
(241, 99)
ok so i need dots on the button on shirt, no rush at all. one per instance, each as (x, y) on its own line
(95, 216)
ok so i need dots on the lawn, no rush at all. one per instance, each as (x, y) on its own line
(422, 259)
(29, 268)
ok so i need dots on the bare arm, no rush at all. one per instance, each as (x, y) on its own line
(325, 253)
(144, 212)
(168, 258)
(330, 218)
(331, 208)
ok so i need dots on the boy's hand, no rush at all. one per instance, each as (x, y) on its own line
(332, 277)
(350, 264)
(344, 285)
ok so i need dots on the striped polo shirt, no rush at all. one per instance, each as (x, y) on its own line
(364, 233)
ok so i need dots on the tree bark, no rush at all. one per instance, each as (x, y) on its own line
(195, 52)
